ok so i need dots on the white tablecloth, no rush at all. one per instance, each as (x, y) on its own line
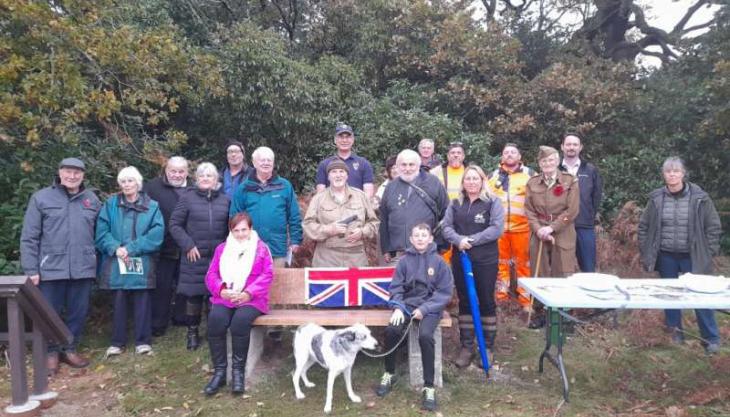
(631, 293)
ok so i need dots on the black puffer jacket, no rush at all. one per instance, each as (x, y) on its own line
(200, 220)
(167, 197)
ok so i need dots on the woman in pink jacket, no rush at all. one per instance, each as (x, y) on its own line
(238, 279)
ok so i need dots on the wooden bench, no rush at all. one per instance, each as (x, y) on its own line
(287, 299)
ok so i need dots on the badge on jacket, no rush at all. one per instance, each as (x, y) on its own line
(355, 166)
(431, 272)
(479, 218)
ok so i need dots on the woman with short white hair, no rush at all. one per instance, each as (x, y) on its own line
(129, 233)
(198, 224)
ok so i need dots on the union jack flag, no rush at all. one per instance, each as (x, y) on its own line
(347, 287)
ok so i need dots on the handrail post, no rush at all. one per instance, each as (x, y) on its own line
(16, 353)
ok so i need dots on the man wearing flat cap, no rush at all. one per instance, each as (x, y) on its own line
(57, 252)
(360, 171)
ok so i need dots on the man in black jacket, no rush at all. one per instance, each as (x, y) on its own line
(166, 190)
(591, 192)
(412, 198)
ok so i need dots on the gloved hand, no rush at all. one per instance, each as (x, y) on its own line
(397, 318)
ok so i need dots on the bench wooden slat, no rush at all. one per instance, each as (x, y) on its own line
(337, 317)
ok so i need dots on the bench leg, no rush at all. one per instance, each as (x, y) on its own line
(414, 359)
(255, 350)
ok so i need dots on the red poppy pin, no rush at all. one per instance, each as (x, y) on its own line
(86, 203)
(558, 190)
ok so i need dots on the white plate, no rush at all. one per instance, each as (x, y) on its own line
(594, 282)
(709, 284)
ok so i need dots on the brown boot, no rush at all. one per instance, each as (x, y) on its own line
(465, 357)
(52, 363)
(74, 360)
(490, 358)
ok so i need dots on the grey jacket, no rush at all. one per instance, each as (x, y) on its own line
(704, 230)
(57, 240)
(422, 281)
(401, 208)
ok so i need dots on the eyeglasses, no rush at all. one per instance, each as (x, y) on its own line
(233, 151)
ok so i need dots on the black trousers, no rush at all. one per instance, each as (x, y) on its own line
(167, 273)
(485, 276)
(426, 328)
(191, 309)
(239, 320)
(141, 301)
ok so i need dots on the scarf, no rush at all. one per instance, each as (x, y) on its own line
(237, 261)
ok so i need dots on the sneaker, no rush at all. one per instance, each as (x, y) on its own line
(712, 348)
(113, 351)
(386, 384)
(143, 350)
(429, 399)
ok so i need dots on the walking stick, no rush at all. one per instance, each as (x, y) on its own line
(537, 271)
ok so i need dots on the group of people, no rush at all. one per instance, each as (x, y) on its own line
(220, 236)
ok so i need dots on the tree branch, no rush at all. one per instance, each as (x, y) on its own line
(677, 31)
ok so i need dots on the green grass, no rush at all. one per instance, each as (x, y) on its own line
(629, 370)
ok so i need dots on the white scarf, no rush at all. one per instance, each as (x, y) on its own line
(237, 261)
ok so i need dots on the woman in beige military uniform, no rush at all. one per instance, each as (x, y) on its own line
(552, 206)
(339, 219)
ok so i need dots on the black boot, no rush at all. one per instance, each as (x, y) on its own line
(238, 364)
(193, 342)
(219, 356)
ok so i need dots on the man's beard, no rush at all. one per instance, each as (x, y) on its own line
(408, 178)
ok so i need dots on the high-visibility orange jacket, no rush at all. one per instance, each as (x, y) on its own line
(510, 187)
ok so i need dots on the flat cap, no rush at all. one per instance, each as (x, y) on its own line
(72, 163)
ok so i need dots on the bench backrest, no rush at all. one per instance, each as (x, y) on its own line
(288, 287)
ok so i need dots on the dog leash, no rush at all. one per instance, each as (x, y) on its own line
(405, 310)
(402, 338)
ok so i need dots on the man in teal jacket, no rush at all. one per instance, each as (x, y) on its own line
(272, 204)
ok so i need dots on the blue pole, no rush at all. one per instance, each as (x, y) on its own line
(474, 306)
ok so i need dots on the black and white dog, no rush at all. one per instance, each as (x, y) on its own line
(334, 350)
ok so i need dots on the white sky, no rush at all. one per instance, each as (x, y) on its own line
(664, 14)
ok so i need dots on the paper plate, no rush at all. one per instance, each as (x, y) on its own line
(708, 284)
(594, 282)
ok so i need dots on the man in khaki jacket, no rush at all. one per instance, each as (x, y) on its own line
(339, 219)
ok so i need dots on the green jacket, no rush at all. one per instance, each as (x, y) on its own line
(140, 228)
(704, 230)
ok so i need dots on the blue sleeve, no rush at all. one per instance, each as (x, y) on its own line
(321, 178)
(150, 240)
(367, 172)
(397, 283)
(105, 240)
(238, 201)
(295, 219)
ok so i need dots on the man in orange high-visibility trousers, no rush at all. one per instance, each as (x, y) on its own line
(450, 174)
(508, 183)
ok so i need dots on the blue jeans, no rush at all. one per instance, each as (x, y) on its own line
(70, 299)
(670, 265)
(585, 248)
